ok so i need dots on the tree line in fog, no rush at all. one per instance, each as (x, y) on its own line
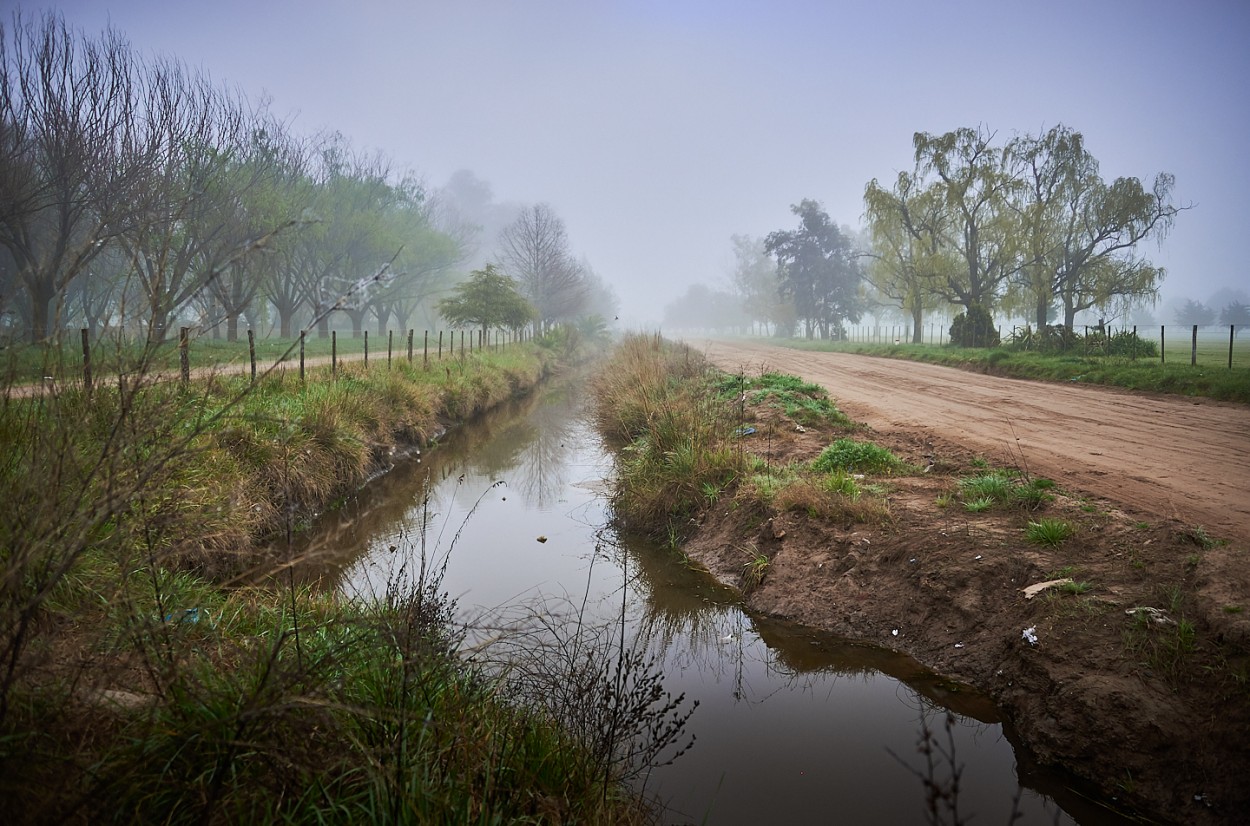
(1025, 227)
(137, 195)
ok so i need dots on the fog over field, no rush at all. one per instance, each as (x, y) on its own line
(658, 129)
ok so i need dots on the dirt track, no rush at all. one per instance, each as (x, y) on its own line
(1156, 455)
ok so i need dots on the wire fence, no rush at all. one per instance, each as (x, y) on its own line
(1197, 345)
(429, 347)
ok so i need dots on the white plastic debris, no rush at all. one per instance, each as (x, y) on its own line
(1036, 588)
(976, 558)
(1030, 635)
(959, 645)
(894, 633)
(1153, 614)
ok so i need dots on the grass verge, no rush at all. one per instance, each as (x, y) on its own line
(133, 687)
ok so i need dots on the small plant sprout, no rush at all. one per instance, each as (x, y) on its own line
(979, 505)
(753, 572)
(1076, 588)
(1050, 532)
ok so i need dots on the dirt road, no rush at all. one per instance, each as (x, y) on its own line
(1168, 456)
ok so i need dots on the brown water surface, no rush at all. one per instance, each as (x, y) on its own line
(791, 727)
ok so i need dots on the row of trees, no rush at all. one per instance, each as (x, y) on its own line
(136, 194)
(1026, 227)
(1236, 313)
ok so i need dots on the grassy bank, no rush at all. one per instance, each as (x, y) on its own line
(135, 687)
(1211, 381)
(680, 425)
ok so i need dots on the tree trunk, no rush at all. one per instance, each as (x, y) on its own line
(1069, 315)
(917, 325)
(1042, 306)
(41, 296)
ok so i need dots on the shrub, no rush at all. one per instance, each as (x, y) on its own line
(974, 328)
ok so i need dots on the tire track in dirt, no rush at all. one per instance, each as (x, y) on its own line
(1160, 456)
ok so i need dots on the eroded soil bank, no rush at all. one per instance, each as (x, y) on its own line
(1152, 707)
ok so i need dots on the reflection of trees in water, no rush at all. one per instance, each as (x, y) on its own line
(539, 469)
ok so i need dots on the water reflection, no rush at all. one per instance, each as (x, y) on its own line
(793, 726)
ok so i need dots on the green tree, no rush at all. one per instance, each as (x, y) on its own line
(818, 271)
(974, 182)
(1235, 313)
(754, 278)
(488, 299)
(1078, 233)
(908, 261)
(1194, 312)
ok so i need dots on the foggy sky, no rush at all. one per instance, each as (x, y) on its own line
(657, 129)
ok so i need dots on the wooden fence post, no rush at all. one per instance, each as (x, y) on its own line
(1193, 348)
(184, 360)
(440, 345)
(301, 355)
(86, 361)
(1133, 347)
(1230, 346)
(390, 345)
(410, 332)
(425, 351)
(251, 350)
(1163, 352)
(334, 353)
(366, 349)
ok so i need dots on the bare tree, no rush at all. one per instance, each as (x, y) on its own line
(182, 229)
(534, 250)
(70, 157)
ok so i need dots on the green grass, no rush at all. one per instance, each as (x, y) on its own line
(848, 456)
(754, 570)
(1051, 532)
(803, 402)
(1000, 488)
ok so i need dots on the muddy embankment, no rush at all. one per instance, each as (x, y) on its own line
(1151, 707)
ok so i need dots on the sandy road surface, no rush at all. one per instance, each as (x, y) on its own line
(1157, 455)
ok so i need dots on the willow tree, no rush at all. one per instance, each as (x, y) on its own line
(909, 261)
(488, 299)
(1080, 234)
(974, 181)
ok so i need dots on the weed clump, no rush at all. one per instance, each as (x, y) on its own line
(998, 488)
(848, 455)
(1050, 532)
(803, 402)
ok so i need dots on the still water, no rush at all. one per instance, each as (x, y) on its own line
(792, 726)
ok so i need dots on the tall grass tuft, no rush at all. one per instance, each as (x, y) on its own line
(652, 398)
